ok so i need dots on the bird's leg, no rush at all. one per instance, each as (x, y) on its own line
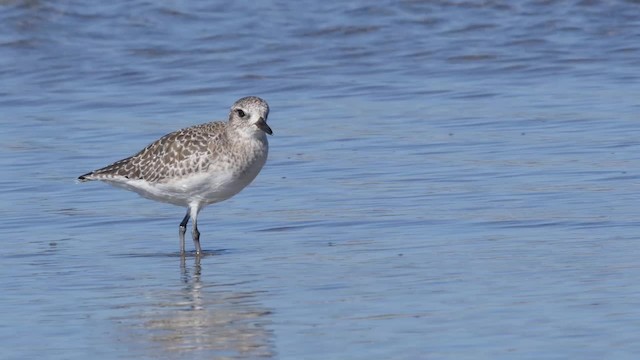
(183, 230)
(196, 237)
(194, 229)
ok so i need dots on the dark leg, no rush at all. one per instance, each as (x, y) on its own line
(196, 236)
(194, 228)
(183, 229)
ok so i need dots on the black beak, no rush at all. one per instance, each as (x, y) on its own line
(262, 125)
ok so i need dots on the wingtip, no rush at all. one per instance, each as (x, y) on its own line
(83, 178)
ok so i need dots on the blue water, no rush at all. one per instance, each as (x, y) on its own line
(447, 180)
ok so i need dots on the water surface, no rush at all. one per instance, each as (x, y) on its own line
(447, 179)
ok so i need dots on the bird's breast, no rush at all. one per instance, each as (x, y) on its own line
(231, 173)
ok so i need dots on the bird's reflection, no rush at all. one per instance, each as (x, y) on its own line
(210, 320)
(192, 276)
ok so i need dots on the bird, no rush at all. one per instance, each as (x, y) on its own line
(198, 165)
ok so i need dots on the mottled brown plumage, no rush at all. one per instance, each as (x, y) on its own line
(178, 154)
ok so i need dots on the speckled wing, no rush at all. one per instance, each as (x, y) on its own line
(177, 154)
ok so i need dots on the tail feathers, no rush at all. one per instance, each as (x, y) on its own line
(115, 171)
(86, 177)
(98, 175)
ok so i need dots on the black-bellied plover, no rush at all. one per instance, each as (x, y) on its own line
(199, 165)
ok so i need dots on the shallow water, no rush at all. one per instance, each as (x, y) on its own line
(447, 180)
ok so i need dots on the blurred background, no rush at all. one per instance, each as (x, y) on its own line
(447, 179)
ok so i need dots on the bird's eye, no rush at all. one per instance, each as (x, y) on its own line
(240, 113)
